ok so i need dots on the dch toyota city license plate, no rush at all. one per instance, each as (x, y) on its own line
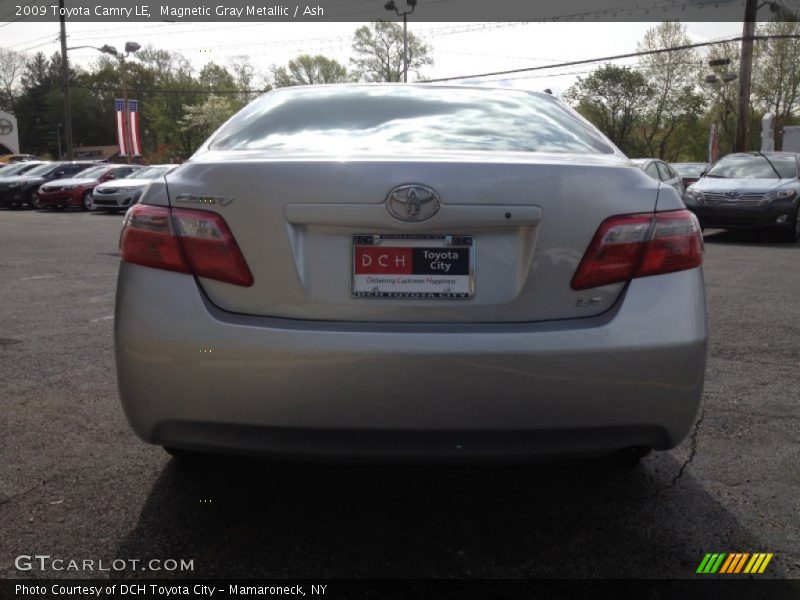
(413, 266)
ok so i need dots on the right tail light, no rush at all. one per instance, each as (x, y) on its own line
(639, 245)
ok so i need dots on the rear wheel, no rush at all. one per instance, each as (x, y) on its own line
(630, 457)
(33, 200)
(87, 202)
(185, 455)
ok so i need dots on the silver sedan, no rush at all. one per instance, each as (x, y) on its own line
(120, 194)
(410, 271)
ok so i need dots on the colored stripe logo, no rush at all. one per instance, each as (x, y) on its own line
(734, 562)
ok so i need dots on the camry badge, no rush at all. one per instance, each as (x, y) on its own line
(192, 199)
(732, 194)
(412, 202)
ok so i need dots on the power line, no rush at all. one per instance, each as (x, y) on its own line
(587, 61)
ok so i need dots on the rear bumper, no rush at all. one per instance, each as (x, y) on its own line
(732, 217)
(195, 377)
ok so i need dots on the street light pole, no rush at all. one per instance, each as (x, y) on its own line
(405, 48)
(745, 70)
(130, 48)
(392, 6)
(65, 84)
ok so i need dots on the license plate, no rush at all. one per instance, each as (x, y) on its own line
(413, 266)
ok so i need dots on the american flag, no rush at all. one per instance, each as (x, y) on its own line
(128, 144)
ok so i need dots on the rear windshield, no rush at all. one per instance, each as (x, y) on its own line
(754, 166)
(406, 119)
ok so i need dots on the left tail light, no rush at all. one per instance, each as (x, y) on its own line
(196, 242)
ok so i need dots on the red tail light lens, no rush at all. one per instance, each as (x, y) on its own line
(198, 242)
(640, 245)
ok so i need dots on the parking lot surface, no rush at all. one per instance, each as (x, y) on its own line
(75, 482)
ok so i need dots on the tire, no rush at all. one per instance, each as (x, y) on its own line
(33, 200)
(87, 202)
(630, 458)
(792, 232)
(185, 456)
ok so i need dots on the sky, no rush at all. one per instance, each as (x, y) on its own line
(457, 48)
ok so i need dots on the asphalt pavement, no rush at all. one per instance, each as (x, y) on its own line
(75, 483)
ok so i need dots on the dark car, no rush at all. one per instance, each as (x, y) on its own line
(748, 190)
(689, 171)
(18, 168)
(23, 189)
(76, 192)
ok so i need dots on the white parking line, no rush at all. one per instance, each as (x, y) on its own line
(37, 277)
(102, 319)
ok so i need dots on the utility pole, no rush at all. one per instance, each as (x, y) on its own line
(65, 84)
(745, 72)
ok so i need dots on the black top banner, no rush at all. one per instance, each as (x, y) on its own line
(370, 10)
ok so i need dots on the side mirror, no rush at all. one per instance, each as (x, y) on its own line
(110, 176)
(58, 173)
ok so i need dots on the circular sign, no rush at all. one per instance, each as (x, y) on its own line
(6, 127)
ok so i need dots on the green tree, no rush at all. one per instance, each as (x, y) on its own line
(216, 77)
(204, 118)
(612, 98)
(776, 75)
(11, 66)
(378, 50)
(673, 78)
(310, 70)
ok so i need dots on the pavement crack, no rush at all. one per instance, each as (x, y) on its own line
(692, 452)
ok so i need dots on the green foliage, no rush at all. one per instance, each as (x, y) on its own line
(204, 118)
(612, 98)
(310, 70)
(378, 50)
(165, 84)
(776, 80)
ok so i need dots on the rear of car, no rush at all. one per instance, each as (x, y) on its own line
(114, 196)
(689, 172)
(410, 272)
(750, 190)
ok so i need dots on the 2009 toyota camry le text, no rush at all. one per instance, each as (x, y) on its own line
(410, 272)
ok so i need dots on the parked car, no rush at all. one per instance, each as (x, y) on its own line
(12, 158)
(114, 196)
(18, 168)
(660, 171)
(76, 192)
(411, 271)
(689, 171)
(23, 189)
(748, 190)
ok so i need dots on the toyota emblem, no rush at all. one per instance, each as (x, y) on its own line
(412, 202)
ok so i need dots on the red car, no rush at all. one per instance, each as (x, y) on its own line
(76, 192)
